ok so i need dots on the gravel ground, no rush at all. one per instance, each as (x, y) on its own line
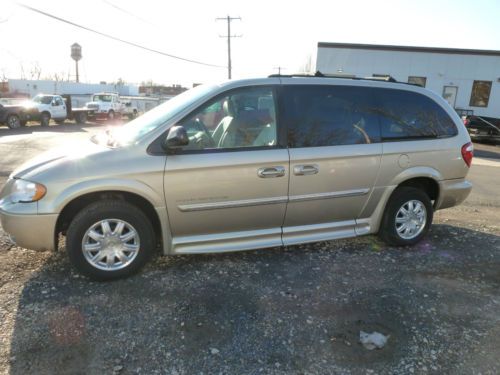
(296, 310)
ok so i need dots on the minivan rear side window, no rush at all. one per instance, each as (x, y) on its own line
(410, 115)
(326, 115)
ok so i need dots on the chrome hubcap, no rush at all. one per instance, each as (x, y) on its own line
(110, 244)
(14, 122)
(411, 219)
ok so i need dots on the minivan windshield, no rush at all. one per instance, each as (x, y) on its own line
(153, 119)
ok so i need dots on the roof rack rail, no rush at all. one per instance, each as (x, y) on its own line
(318, 74)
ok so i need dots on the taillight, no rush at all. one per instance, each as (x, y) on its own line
(468, 153)
(466, 121)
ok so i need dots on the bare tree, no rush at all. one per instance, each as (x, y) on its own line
(23, 75)
(35, 71)
(306, 67)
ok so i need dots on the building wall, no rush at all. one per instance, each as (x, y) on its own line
(441, 69)
(32, 87)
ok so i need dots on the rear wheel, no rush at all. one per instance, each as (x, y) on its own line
(81, 118)
(13, 122)
(109, 240)
(407, 217)
(45, 119)
(132, 115)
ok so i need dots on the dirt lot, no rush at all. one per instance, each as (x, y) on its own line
(297, 310)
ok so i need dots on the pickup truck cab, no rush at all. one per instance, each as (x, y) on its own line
(106, 105)
(49, 107)
(130, 110)
(15, 116)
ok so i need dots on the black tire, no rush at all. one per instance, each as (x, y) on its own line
(60, 122)
(132, 115)
(399, 197)
(114, 210)
(13, 122)
(45, 118)
(81, 118)
(111, 115)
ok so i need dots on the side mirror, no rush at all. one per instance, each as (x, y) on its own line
(176, 139)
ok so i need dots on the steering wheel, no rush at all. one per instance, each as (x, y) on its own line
(202, 127)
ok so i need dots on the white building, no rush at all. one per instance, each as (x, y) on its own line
(81, 93)
(468, 79)
(30, 88)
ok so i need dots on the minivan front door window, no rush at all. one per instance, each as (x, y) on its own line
(238, 119)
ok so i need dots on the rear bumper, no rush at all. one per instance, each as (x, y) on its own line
(452, 192)
(31, 231)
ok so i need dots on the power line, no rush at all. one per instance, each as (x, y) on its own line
(117, 39)
(229, 36)
(127, 12)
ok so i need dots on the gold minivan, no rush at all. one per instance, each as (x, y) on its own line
(244, 165)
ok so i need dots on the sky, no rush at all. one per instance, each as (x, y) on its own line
(274, 34)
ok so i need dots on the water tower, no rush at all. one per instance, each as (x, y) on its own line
(76, 54)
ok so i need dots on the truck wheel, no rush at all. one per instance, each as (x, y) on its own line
(45, 119)
(132, 115)
(81, 118)
(13, 122)
(111, 115)
(110, 239)
(407, 217)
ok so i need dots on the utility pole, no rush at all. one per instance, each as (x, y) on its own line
(279, 68)
(228, 19)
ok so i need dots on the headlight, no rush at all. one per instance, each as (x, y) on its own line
(26, 191)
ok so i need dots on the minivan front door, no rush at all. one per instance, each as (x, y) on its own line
(227, 190)
(335, 152)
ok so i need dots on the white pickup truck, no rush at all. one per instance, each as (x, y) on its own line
(49, 107)
(106, 105)
(130, 110)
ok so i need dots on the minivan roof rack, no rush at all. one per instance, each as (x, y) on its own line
(318, 74)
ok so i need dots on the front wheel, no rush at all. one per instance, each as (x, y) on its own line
(13, 122)
(109, 240)
(111, 115)
(407, 217)
(45, 119)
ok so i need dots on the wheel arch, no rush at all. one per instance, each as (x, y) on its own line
(424, 178)
(71, 209)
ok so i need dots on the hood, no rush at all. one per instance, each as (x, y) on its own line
(29, 104)
(77, 150)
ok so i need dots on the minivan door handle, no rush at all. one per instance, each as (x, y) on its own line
(269, 172)
(305, 170)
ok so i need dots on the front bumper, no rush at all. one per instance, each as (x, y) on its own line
(31, 231)
(452, 192)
